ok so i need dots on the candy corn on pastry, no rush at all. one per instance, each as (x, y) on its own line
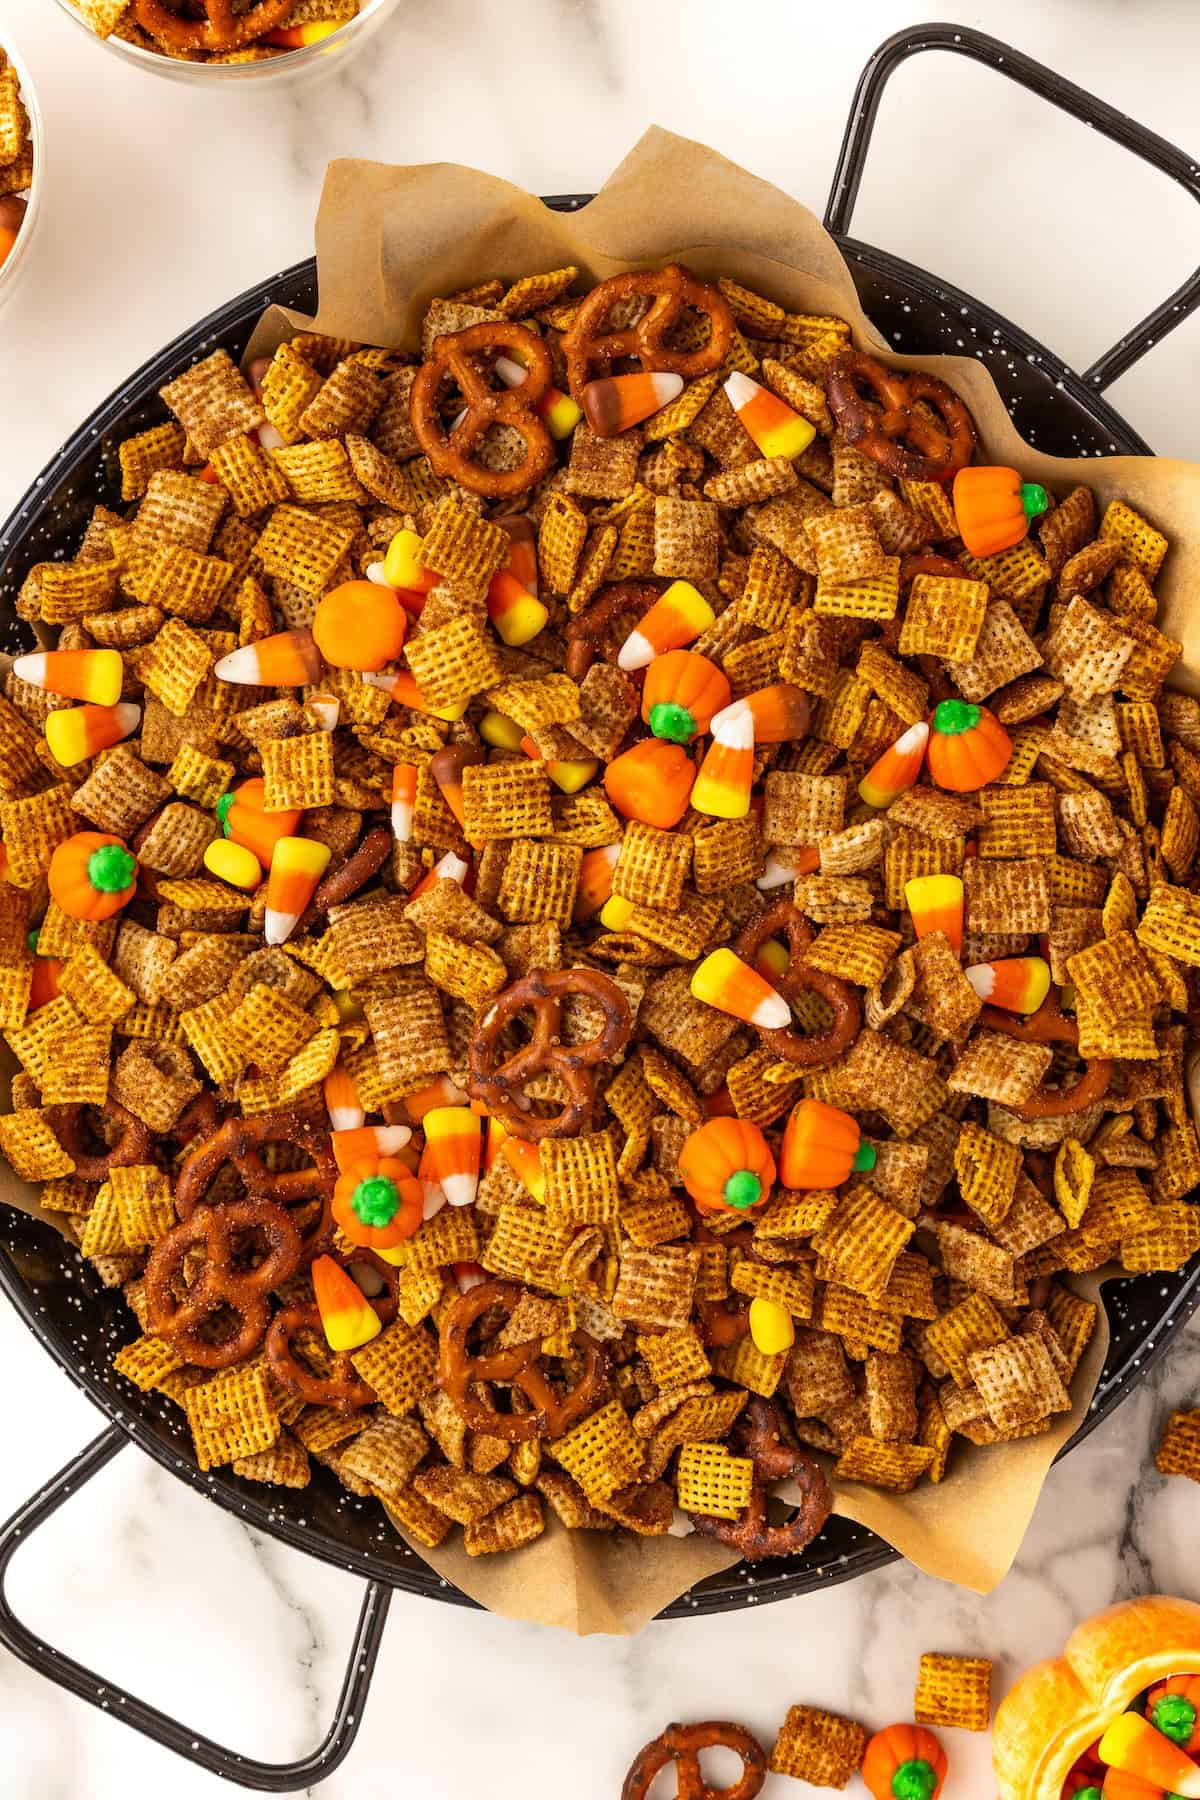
(566, 921)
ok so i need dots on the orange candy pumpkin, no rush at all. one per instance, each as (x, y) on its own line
(968, 746)
(359, 625)
(92, 875)
(241, 816)
(726, 1164)
(993, 507)
(682, 692)
(1168, 1707)
(378, 1202)
(822, 1145)
(652, 782)
(904, 1762)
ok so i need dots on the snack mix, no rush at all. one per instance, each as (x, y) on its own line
(597, 915)
(218, 31)
(16, 158)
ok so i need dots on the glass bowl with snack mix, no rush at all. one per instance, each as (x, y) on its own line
(613, 917)
(248, 40)
(22, 168)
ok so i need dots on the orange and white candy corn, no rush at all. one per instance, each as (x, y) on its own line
(76, 732)
(499, 731)
(347, 1317)
(780, 713)
(468, 1275)
(353, 1143)
(595, 880)
(568, 774)
(783, 866)
(1016, 984)
(517, 615)
(777, 429)
(440, 1092)
(525, 1161)
(402, 567)
(897, 769)
(346, 1111)
(675, 620)
(522, 558)
(450, 867)
(288, 659)
(722, 787)
(935, 903)
(94, 675)
(404, 798)
(400, 685)
(453, 1144)
(233, 863)
(557, 411)
(723, 980)
(325, 710)
(614, 403)
(446, 766)
(297, 865)
(1132, 1746)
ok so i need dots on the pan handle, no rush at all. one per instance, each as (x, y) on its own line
(265, 1777)
(961, 41)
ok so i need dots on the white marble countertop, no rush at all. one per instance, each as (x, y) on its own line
(162, 201)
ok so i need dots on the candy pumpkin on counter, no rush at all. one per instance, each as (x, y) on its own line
(1059, 1709)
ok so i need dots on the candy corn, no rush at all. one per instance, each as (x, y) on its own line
(493, 1139)
(468, 1275)
(326, 709)
(772, 959)
(501, 733)
(347, 1317)
(722, 787)
(1132, 1745)
(616, 912)
(449, 868)
(241, 817)
(522, 558)
(402, 570)
(897, 769)
(1018, 984)
(517, 614)
(352, 1143)
(780, 713)
(557, 411)
(616, 402)
(404, 795)
(453, 1142)
(345, 1109)
(771, 1326)
(289, 659)
(297, 865)
(233, 863)
(440, 1092)
(44, 986)
(400, 685)
(76, 732)
(94, 675)
(675, 620)
(595, 880)
(569, 774)
(359, 625)
(525, 1161)
(775, 427)
(299, 37)
(784, 866)
(446, 766)
(936, 904)
(723, 980)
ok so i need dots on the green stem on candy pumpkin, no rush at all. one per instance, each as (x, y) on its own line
(743, 1189)
(375, 1201)
(952, 717)
(914, 1780)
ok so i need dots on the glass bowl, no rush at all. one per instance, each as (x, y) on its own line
(14, 262)
(331, 54)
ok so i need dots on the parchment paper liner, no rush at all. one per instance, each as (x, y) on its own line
(388, 239)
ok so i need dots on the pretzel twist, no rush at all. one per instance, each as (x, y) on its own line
(758, 1434)
(241, 1142)
(670, 291)
(789, 1045)
(450, 453)
(499, 1082)
(896, 432)
(518, 1366)
(178, 1310)
(221, 28)
(682, 1744)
